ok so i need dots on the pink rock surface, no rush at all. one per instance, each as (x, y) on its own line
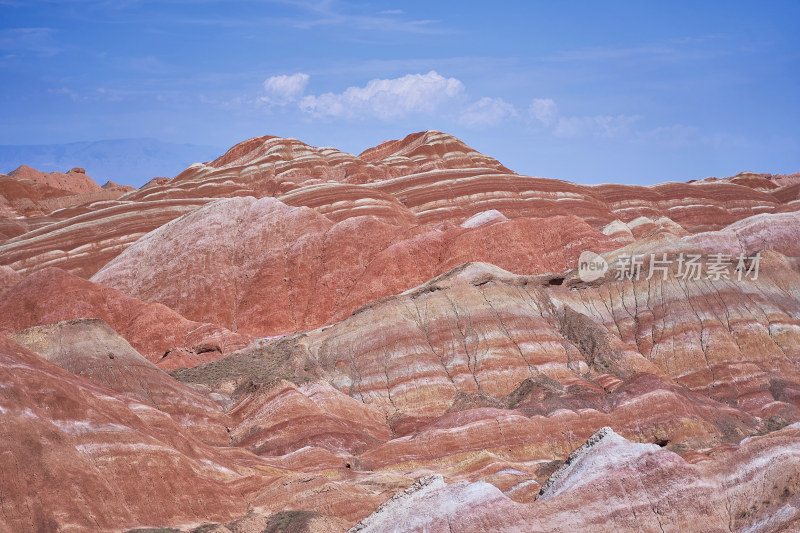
(268, 166)
(77, 456)
(52, 295)
(282, 418)
(91, 349)
(270, 268)
(618, 486)
(426, 178)
(83, 243)
(418, 315)
(779, 232)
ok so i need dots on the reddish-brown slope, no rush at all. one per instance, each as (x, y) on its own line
(91, 349)
(79, 456)
(32, 194)
(779, 232)
(483, 331)
(428, 150)
(270, 268)
(269, 166)
(281, 418)
(697, 206)
(76, 456)
(438, 178)
(74, 181)
(481, 374)
(427, 178)
(760, 181)
(8, 278)
(52, 295)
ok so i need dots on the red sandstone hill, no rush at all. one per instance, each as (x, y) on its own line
(427, 178)
(292, 338)
(74, 181)
(29, 197)
(270, 268)
(52, 295)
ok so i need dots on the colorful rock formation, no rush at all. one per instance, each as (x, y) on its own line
(296, 338)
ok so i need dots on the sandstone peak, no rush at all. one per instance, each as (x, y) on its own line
(74, 181)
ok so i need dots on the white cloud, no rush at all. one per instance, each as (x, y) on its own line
(487, 112)
(545, 111)
(282, 90)
(386, 98)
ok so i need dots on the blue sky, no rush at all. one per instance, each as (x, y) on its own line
(633, 92)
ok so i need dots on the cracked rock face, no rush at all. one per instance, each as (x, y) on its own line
(292, 338)
(612, 484)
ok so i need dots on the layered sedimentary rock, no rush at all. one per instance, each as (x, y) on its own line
(281, 418)
(52, 295)
(83, 243)
(75, 180)
(612, 484)
(483, 375)
(438, 178)
(8, 278)
(269, 166)
(426, 178)
(77, 456)
(779, 232)
(28, 197)
(761, 181)
(91, 349)
(428, 355)
(482, 330)
(695, 207)
(270, 268)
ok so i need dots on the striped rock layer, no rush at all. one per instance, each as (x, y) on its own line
(296, 338)
(425, 178)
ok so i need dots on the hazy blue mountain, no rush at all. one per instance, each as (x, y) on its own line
(125, 161)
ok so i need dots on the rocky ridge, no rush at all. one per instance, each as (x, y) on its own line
(295, 338)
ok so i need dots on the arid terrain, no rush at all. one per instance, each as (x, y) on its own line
(298, 339)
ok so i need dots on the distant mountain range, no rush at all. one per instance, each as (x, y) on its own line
(125, 161)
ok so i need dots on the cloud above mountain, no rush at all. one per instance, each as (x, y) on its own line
(282, 90)
(389, 98)
(386, 98)
(433, 94)
(487, 112)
